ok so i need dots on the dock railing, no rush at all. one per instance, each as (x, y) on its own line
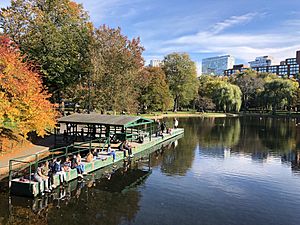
(31, 161)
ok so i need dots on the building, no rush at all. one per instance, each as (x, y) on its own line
(217, 65)
(236, 69)
(155, 63)
(288, 68)
(261, 61)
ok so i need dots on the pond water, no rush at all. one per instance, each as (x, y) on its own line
(223, 171)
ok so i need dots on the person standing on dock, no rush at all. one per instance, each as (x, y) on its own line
(175, 123)
(163, 126)
(158, 129)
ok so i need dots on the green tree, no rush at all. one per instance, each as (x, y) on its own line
(54, 34)
(116, 62)
(182, 78)
(280, 93)
(251, 84)
(154, 93)
(226, 96)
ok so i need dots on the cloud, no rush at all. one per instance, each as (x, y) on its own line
(101, 10)
(245, 46)
(234, 20)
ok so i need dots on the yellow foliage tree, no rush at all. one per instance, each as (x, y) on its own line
(24, 104)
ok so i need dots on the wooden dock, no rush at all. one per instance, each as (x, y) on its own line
(30, 188)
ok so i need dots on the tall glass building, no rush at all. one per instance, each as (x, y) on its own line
(217, 65)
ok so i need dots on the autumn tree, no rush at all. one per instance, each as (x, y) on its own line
(154, 90)
(54, 34)
(24, 105)
(116, 62)
(182, 78)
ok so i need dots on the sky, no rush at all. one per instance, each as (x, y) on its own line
(242, 28)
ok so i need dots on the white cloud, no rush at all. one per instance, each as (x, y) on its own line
(234, 20)
(245, 46)
(100, 10)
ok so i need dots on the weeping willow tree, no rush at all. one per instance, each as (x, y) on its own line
(227, 97)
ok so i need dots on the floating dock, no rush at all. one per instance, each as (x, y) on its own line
(31, 188)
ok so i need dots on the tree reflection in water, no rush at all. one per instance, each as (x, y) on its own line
(110, 201)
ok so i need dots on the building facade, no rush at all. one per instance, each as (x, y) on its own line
(217, 65)
(288, 68)
(236, 69)
(155, 63)
(261, 61)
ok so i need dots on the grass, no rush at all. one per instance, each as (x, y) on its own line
(157, 115)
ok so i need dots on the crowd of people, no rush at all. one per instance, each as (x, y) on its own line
(46, 170)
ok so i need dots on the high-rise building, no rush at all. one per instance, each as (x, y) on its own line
(155, 63)
(217, 65)
(261, 61)
(288, 68)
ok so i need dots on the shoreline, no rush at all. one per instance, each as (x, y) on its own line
(178, 115)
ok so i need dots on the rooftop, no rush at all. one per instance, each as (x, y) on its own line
(100, 119)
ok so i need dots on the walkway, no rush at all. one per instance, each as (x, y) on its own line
(41, 146)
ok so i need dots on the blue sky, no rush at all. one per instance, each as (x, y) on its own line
(242, 28)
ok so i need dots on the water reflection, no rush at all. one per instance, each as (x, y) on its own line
(232, 170)
(259, 138)
(105, 197)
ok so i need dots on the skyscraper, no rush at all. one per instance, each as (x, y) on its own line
(217, 65)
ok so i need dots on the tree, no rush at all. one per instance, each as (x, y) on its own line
(116, 62)
(24, 104)
(54, 34)
(226, 96)
(182, 78)
(280, 92)
(154, 91)
(251, 84)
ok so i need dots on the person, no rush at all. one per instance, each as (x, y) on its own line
(46, 172)
(67, 165)
(121, 148)
(111, 152)
(80, 166)
(39, 177)
(158, 128)
(175, 123)
(89, 157)
(56, 169)
(128, 148)
(163, 127)
(95, 153)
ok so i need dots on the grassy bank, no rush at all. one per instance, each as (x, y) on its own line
(159, 115)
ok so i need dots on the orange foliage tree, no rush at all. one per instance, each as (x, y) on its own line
(24, 105)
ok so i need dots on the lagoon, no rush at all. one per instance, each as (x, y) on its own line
(223, 171)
